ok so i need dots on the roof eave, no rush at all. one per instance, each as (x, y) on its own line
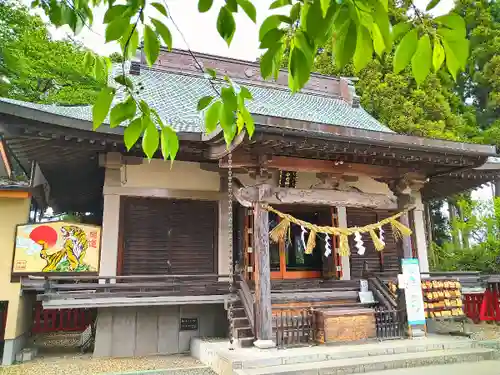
(72, 123)
(268, 124)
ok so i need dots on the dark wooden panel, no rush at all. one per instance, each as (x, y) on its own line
(162, 236)
(386, 261)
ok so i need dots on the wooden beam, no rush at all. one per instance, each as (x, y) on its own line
(318, 197)
(314, 166)
(5, 159)
(263, 308)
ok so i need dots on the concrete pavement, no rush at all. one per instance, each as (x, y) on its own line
(477, 368)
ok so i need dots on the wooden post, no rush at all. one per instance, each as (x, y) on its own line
(407, 249)
(263, 307)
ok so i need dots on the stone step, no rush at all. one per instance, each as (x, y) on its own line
(198, 370)
(375, 363)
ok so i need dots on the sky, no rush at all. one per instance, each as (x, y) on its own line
(199, 29)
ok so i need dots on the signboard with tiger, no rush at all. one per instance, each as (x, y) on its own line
(59, 247)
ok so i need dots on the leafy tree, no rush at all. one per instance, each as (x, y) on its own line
(479, 222)
(38, 69)
(360, 29)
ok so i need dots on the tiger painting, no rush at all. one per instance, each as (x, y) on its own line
(74, 249)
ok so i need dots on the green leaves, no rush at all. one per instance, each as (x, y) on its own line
(453, 22)
(345, 44)
(151, 138)
(115, 29)
(132, 132)
(164, 32)
(226, 25)
(88, 61)
(204, 102)
(280, 3)
(122, 111)
(272, 22)
(249, 9)
(325, 4)
(204, 5)
(212, 116)
(101, 106)
(160, 8)
(405, 50)
(421, 60)
(132, 37)
(437, 55)
(169, 143)
(151, 45)
(432, 4)
(364, 49)
(378, 40)
(400, 29)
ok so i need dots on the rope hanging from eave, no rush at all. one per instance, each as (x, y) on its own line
(399, 230)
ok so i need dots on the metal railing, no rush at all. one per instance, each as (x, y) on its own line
(294, 326)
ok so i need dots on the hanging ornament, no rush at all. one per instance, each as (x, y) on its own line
(328, 246)
(303, 236)
(381, 235)
(359, 243)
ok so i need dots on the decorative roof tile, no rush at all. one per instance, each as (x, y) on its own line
(175, 96)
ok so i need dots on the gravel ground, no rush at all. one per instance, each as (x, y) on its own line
(481, 331)
(86, 365)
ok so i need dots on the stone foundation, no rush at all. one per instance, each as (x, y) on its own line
(140, 331)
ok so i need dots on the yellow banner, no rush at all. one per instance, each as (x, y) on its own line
(56, 247)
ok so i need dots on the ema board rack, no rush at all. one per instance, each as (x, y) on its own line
(442, 299)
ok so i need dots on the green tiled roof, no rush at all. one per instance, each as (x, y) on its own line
(175, 95)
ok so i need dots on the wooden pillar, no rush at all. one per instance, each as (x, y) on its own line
(263, 307)
(407, 244)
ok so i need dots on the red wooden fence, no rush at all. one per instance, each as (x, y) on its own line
(61, 320)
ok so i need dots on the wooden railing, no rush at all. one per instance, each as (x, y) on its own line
(248, 302)
(294, 326)
(389, 324)
(381, 293)
(77, 287)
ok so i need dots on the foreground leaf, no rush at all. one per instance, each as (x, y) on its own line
(122, 111)
(169, 143)
(151, 45)
(421, 60)
(452, 62)
(132, 133)
(453, 22)
(437, 55)
(345, 44)
(151, 138)
(204, 5)
(116, 28)
(405, 50)
(204, 102)
(164, 32)
(272, 22)
(212, 116)
(101, 107)
(378, 40)
(226, 25)
(432, 4)
(364, 49)
(160, 8)
(249, 9)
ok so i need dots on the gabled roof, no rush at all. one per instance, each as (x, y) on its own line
(175, 96)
